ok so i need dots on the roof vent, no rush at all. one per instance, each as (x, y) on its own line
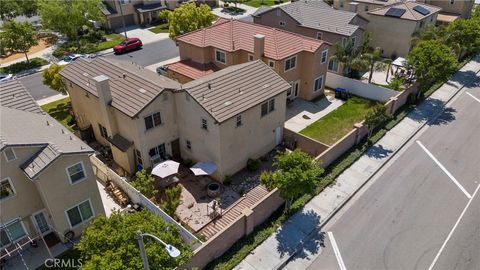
(227, 103)
(71, 139)
(141, 90)
(203, 97)
(266, 85)
(209, 86)
(13, 96)
(85, 74)
(63, 131)
(48, 123)
(124, 75)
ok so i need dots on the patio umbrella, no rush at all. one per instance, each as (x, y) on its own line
(204, 168)
(166, 168)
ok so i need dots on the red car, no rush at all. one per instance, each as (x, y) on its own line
(127, 45)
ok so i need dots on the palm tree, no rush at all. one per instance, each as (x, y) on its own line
(372, 61)
(346, 56)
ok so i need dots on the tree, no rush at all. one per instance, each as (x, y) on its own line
(297, 174)
(145, 183)
(349, 55)
(13, 8)
(172, 201)
(431, 61)
(465, 34)
(430, 32)
(68, 17)
(476, 13)
(19, 36)
(111, 243)
(187, 18)
(52, 78)
(371, 61)
(376, 116)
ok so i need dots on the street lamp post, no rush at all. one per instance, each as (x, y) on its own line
(171, 250)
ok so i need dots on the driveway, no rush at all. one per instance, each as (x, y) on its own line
(143, 34)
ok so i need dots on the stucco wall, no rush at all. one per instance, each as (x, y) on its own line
(462, 7)
(306, 144)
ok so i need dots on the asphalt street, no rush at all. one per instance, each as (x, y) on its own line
(33, 83)
(422, 210)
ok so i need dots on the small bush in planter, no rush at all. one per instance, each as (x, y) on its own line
(253, 164)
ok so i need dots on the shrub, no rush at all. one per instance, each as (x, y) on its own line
(145, 183)
(172, 201)
(24, 65)
(253, 164)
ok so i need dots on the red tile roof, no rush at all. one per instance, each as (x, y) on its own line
(233, 35)
(192, 69)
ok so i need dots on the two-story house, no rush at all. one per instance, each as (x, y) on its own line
(302, 61)
(316, 19)
(392, 26)
(132, 12)
(362, 7)
(47, 186)
(451, 9)
(225, 117)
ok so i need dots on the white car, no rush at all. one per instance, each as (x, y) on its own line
(69, 59)
(6, 77)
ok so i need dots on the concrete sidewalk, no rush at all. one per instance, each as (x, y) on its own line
(275, 252)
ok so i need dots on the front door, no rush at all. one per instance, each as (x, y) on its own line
(278, 135)
(40, 221)
(176, 150)
(293, 92)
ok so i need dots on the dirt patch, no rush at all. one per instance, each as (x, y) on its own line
(42, 44)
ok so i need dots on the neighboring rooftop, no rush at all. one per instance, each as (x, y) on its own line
(132, 86)
(413, 11)
(317, 15)
(192, 69)
(235, 89)
(378, 2)
(14, 95)
(234, 35)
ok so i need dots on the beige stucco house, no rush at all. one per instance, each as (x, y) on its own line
(302, 61)
(316, 19)
(392, 26)
(225, 117)
(451, 9)
(362, 7)
(47, 186)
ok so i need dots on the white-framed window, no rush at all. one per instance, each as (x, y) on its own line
(319, 35)
(239, 120)
(138, 157)
(124, 2)
(250, 57)
(12, 232)
(267, 107)
(204, 124)
(271, 63)
(290, 63)
(333, 65)
(103, 131)
(6, 189)
(324, 56)
(318, 83)
(220, 56)
(76, 172)
(189, 144)
(153, 120)
(9, 154)
(80, 213)
(354, 41)
(157, 153)
(282, 23)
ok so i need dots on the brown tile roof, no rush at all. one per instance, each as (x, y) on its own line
(235, 89)
(234, 35)
(130, 93)
(14, 95)
(410, 13)
(192, 69)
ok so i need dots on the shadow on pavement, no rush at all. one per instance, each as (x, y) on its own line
(377, 151)
(429, 111)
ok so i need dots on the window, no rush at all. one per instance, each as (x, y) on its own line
(239, 120)
(103, 131)
(341, 3)
(158, 151)
(250, 57)
(80, 213)
(153, 120)
(282, 23)
(344, 41)
(354, 41)
(138, 157)
(204, 124)
(318, 83)
(11, 232)
(421, 24)
(333, 65)
(271, 63)
(189, 144)
(279, 12)
(6, 189)
(324, 56)
(319, 35)
(268, 107)
(220, 56)
(76, 172)
(366, 7)
(124, 2)
(290, 63)
(9, 154)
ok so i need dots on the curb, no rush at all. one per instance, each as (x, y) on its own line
(351, 195)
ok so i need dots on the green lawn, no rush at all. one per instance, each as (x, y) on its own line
(338, 123)
(161, 28)
(24, 65)
(258, 3)
(60, 110)
(112, 40)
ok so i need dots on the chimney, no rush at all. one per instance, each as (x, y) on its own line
(353, 7)
(105, 98)
(258, 46)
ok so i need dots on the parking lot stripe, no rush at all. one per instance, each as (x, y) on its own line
(453, 229)
(473, 96)
(337, 251)
(445, 170)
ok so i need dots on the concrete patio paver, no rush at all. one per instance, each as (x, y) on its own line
(352, 179)
(302, 113)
